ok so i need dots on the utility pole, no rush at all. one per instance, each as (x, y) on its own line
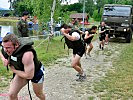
(52, 24)
(10, 1)
(52, 14)
(83, 15)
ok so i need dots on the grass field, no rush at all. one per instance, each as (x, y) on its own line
(8, 21)
(118, 83)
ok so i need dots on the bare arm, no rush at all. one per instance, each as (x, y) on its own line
(72, 38)
(100, 32)
(87, 35)
(28, 62)
(5, 61)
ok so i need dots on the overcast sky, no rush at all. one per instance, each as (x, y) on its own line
(4, 4)
(74, 1)
(70, 1)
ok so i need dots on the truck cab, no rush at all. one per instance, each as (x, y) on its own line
(119, 20)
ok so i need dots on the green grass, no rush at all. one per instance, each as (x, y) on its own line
(55, 50)
(8, 21)
(118, 83)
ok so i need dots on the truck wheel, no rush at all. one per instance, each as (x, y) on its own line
(128, 38)
(132, 27)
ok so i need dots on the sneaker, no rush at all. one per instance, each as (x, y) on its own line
(81, 78)
(78, 74)
(102, 48)
(106, 43)
(89, 54)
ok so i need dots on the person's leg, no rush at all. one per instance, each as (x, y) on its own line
(100, 39)
(103, 42)
(106, 39)
(90, 48)
(76, 62)
(100, 44)
(38, 89)
(85, 50)
(16, 85)
(75, 65)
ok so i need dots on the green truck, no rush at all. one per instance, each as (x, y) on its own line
(119, 19)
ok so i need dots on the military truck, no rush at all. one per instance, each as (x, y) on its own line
(119, 19)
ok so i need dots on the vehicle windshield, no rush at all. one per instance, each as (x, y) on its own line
(117, 11)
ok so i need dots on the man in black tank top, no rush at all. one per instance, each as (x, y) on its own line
(23, 62)
(102, 35)
(78, 49)
(89, 34)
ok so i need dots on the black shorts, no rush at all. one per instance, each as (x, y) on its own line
(107, 32)
(102, 37)
(88, 42)
(39, 76)
(79, 51)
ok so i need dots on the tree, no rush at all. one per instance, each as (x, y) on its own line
(97, 16)
(89, 6)
(40, 8)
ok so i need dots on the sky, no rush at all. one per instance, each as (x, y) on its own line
(74, 1)
(71, 1)
(4, 4)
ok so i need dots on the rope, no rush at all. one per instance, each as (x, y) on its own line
(46, 51)
(29, 90)
(49, 36)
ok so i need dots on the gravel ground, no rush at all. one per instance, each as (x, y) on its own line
(60, 79)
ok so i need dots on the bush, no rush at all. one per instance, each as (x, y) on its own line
(97, 16)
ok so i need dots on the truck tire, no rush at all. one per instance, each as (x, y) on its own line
(128, 37)
(132, 27)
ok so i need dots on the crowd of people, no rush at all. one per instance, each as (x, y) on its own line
(81, 43)
(18, 53)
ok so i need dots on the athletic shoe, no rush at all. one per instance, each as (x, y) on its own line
(78, 74)
(89, 54)
(106, 43)
(81, 78)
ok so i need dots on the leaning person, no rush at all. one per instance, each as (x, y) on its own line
(23, 62)
(89, 34)
(73, 41)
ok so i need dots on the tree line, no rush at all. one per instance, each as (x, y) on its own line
(42, 8)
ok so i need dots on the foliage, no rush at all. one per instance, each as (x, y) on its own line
(39, 8)
(42, 8)
(89, 6)
(97, 14)
(73, 7)
(100, 3)
(55, 50)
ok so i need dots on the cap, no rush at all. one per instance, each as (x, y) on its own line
(25, 13)
(8, 33)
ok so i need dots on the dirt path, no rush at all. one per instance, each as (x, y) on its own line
(60, 79)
